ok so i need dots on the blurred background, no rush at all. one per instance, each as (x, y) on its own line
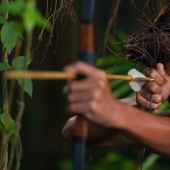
(45, 114)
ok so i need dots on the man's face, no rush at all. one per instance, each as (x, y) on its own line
(167, 67)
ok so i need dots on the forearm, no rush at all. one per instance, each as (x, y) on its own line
(147, 130)
(96, 134)
(99, 136)
(128, 127)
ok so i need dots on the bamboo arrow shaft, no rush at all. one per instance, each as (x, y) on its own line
(40, 75)
(54, 75)
(119, 77)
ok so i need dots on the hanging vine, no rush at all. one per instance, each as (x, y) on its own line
(11, 37)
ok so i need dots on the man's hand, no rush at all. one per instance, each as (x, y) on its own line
(159, 89)
(90, 97)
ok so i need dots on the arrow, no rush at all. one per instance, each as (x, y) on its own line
(133, 75)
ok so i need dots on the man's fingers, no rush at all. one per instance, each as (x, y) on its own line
(82, 68)
(152, 87)
(156, 98)
(80, 96)
(141, 101)
(157, 75)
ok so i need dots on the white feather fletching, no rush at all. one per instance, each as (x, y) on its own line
(135, 73)
(136, 86)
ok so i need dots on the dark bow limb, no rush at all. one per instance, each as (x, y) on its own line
(87, 55)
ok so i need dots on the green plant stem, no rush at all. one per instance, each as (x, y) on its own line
(4, 140)
(13, 82)
(21, 106)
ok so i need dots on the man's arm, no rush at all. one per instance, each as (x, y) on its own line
(92, 98)
(99, 136)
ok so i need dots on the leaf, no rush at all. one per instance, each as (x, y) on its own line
(164, 106)
(32, 17)
(41, 21)
(19, 62)
(26, 85)
(18, 28)
(2, 20)
(14, 8)
(8, 36)
(8, 122)
(4, 66)
(150, 161)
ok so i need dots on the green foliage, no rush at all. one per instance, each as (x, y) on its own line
(31, 17)
(18, 63)
(110, 161)
(150, 161)
(7, 121)
(4, 66)
(8, 36)
(120, 66)
(114, 161)
(2, 20)
(27, 10)
(26, 85)
(14, 8)
(164, 106)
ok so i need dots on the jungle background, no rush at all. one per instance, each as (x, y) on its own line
(45, 113)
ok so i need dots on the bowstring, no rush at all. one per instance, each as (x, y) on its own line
(154, 39)
(144, 149)
(154, 32)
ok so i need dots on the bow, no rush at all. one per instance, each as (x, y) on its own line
(87, 55)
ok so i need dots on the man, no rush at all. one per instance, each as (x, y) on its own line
(114, 123)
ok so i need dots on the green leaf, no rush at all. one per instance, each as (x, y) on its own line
(41, 21)
(8, 36)
(2, 20)
(8, 122)
(4, 66)
(14, 8)
(18, 28)
(19, 62)
(32, 17)
(26, 85)
(150, 161)
(164, 106)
